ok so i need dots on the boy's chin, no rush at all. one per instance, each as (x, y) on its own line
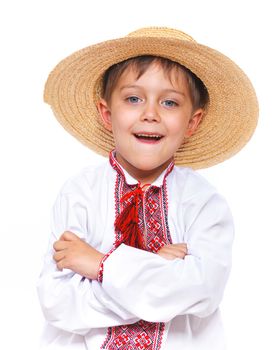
(148, 164)
(144, 162)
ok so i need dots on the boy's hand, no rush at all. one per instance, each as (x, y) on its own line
(73, 253)
(173, 251)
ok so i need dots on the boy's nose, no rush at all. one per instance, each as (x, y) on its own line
(151, 113)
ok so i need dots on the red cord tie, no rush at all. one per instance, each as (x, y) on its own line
(127, 221)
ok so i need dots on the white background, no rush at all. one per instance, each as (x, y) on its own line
(37, 155)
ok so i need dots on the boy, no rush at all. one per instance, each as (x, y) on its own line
(140, 250)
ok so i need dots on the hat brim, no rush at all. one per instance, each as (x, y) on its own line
(73, 88)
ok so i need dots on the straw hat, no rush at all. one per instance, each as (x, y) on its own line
(74, 87)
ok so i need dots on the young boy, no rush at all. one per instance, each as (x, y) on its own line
(140, 250)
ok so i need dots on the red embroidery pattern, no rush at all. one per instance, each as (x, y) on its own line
(155, 207)
(141, 336)
(153, 211)
(101, 266)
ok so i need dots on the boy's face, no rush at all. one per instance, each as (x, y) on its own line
(149, 118)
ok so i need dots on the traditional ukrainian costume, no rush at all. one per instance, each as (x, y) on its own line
(141, 300)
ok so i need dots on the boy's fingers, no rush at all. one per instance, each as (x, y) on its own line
(173, 248)
(60, 245)
(168, 256)
(172, 255)
(61, 264)
(181, 246)
(58, 256)
(173, 251)
(69, 236)
(179, 254)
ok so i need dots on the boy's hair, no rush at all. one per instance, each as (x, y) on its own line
(198, 92)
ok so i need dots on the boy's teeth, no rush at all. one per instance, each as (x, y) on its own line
(149, 136)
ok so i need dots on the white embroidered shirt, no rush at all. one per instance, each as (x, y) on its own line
(141, 301)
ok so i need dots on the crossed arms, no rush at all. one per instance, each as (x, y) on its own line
(71, 252)
(136, 284)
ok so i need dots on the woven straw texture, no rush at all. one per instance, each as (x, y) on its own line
(74, 86)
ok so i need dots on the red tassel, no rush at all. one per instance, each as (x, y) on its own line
(127, 221)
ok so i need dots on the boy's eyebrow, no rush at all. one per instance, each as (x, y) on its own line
(165, 90)
(129, 86)
(176, 91)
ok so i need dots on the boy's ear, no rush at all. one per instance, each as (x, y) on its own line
(194, 122)
(105, 113)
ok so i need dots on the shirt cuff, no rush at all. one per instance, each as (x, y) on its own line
(101, 266)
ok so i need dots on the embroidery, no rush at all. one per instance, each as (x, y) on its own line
(101, 266)
(152, 214)
(141, 335)
(156, 219)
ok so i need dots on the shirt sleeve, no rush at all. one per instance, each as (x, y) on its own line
(156, 290)
(68, 300)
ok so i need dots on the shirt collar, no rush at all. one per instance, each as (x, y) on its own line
(131, 180)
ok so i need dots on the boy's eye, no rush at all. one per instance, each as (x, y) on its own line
(169, 103)
(133, 99)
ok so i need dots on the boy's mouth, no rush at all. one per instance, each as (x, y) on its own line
(148, 137)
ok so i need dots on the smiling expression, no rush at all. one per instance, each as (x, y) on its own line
(149, 118)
